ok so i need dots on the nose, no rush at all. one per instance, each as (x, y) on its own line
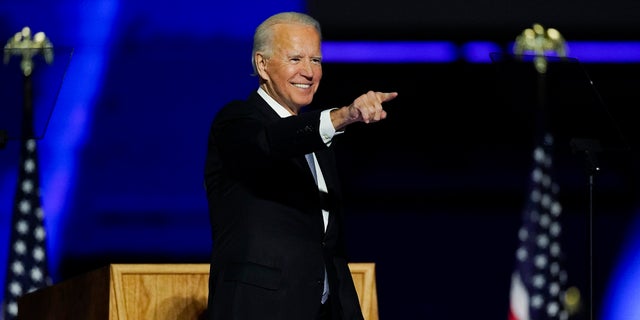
(306, 69)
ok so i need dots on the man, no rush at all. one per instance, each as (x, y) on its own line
(272, 187)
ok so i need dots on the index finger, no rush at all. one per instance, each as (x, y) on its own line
(386, 96)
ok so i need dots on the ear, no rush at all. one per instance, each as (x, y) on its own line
(261, 65)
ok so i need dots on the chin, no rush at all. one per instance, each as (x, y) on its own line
(304, 102)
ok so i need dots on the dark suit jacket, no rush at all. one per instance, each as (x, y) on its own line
(269, 245)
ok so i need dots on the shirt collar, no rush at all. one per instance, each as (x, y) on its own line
(279, 109)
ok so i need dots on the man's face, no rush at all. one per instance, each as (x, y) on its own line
(293, 71)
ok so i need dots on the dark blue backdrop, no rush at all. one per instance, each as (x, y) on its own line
(434, 193)
(123, 154)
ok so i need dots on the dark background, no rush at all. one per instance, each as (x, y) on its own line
(434, 193)
(469, 19)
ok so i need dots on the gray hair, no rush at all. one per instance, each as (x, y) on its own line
(263, 37)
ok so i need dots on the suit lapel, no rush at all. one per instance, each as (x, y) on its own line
(323, 156)
(269, 115)
(325, 161)
(262, 106)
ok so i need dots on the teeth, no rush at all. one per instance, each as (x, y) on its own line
(303, 86)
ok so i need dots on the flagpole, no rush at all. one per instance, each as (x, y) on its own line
(27, 268)
(540, 42)
(27, 107)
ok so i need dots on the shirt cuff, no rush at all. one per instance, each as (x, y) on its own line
(327, 131)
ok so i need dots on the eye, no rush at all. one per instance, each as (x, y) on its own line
(316, 60)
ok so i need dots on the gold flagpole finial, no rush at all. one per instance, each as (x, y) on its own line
(22, 44)
(539, 41)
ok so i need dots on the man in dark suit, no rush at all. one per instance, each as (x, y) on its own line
(273, 190)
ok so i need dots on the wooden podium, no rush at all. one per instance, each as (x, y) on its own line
(151, 291)
(364, 278)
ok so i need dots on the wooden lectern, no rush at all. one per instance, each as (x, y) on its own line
(364, 278)
(151, 291)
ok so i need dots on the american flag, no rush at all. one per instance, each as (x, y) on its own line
(538, 281)
(27, 263)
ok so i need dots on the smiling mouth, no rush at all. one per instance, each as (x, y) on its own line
(302, 85)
